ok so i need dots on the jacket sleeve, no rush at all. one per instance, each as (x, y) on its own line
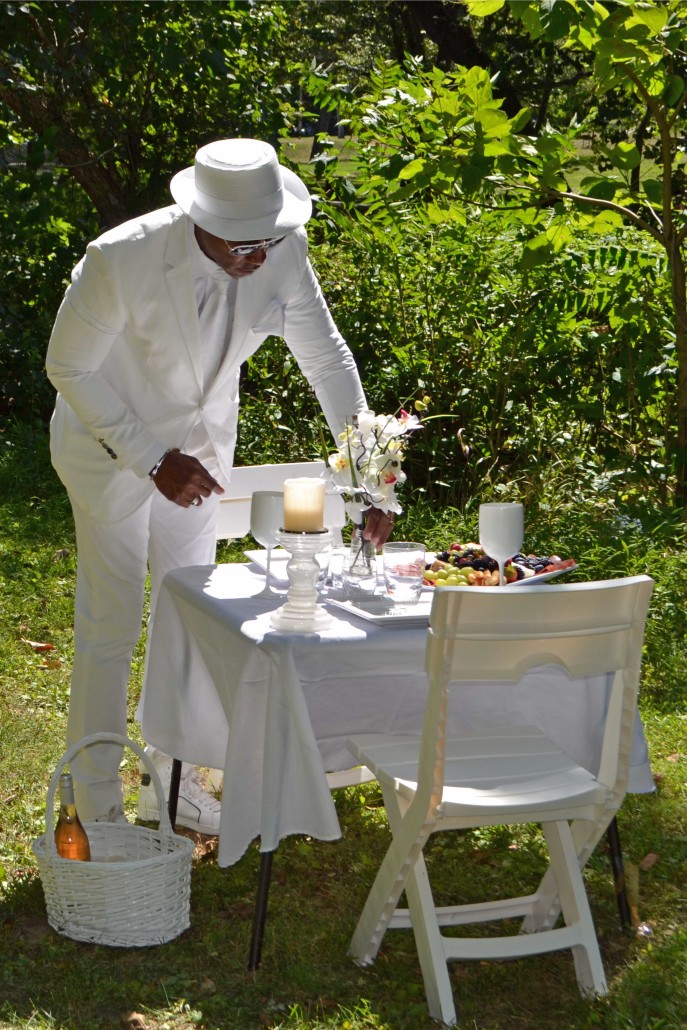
(321, 352)
(88, 324)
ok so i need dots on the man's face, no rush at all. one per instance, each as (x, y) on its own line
(218, 250)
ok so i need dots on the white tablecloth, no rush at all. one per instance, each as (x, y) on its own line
(274, 710)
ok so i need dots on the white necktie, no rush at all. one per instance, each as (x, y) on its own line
(216, 317)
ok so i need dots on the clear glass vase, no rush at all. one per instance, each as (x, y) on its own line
(360, 567)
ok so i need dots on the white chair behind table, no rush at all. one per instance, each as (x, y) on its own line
(234, 507)
(234, 522)
(513, 776)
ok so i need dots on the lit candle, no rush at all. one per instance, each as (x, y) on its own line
(304, 505)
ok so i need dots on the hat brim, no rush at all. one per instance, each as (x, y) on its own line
(296, 210)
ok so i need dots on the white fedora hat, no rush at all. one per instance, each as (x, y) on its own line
(238, 190)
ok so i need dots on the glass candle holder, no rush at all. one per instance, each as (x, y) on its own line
(302, 613)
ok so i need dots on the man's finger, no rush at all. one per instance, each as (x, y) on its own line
(378, 526)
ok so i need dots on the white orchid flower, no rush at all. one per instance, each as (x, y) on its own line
(366, 469)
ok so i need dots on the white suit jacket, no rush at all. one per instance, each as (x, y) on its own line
(125, 357)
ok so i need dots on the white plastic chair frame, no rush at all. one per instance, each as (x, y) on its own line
(234, 507)
(513, 776)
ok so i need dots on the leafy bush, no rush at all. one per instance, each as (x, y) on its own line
(39, 248)
(567, 365)
(541, 334)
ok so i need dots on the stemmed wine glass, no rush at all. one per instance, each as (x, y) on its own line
(501, 532)
(266, 518)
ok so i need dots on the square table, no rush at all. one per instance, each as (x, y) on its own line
(274, 710)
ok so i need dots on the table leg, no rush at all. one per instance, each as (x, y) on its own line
(173, 799)
(260, 912)
(616, 855)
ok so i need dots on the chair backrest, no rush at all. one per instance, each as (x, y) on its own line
(234, 507)
(590, 629)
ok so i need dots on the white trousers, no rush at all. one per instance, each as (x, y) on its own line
(113, 559)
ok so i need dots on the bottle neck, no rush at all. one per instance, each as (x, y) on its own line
(67, 794)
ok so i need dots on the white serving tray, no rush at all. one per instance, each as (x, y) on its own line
(380, 610)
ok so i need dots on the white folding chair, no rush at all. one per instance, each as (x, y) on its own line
(512, 776)
(234, 508)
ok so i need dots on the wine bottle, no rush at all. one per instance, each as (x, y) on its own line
(71, 840)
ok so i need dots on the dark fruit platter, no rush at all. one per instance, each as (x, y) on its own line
(468, 565)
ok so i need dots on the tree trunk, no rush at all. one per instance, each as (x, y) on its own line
(640, 139)
(547, 89)
(678, 286)
(448, 27)
(104, 188)
(323, 119)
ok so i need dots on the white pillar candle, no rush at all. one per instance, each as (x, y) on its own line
(304, 505)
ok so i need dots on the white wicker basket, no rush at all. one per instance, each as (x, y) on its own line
(135, 891)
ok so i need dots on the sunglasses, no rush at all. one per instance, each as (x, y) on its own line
(250, 248)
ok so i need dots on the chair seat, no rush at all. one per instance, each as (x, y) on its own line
(498, 773)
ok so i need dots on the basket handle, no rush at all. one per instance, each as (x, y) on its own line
(100, 738)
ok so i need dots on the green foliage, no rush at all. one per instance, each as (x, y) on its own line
(437, 156)
(566, 365)
(134, 89)
(280, 418)
(42, 227)
(444, 284)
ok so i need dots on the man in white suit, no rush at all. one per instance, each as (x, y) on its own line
(145, 355)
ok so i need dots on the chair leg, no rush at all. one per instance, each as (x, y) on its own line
(380, 905)
(260, 911)
(390, 880)
(616, 857)
(575, 905)
(430, 945)
(548, 907)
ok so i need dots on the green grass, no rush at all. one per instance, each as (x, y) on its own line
(306, 979)
(299, 149)
(648, 169)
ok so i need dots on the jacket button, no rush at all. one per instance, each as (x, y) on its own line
(108, 449)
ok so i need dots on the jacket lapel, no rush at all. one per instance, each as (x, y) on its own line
(179, 280)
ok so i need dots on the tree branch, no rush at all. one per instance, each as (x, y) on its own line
(608, 205)
(678, 107)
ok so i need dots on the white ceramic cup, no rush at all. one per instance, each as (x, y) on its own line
(404, 570)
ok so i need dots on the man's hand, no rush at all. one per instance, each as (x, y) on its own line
(183, 480)
(378, 526)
